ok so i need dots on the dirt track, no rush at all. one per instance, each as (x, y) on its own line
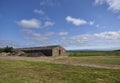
(56, 60)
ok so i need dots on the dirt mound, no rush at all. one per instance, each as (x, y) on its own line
(15, 53)
(5, 54)
(18, 53)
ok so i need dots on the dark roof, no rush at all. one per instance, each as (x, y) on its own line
(40, 48)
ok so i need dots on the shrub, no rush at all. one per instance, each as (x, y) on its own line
(7, 49)
(1, 50)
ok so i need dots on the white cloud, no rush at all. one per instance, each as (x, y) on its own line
(102, 38)
(76, 40)
(99, 1)
(38, 11)
(76, 21)
(38, 38)
(81, 38)
(48, 24)
(114, 5)
(97, 25)
(49, 3)
(10, 43)
(99, 38)
(63, 33)
(109, 35)
(32, 23)
(91, 23)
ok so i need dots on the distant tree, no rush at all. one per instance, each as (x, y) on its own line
(117, 50)
(8, 49)
(1, 50)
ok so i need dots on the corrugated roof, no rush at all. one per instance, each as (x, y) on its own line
(40, 48)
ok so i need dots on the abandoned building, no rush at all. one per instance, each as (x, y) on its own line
(56, 50)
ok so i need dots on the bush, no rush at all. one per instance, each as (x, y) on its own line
(1, 50)
(7, 49)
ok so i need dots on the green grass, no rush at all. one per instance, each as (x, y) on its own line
(110, 57)
(12, 71)
(95, 53)
(111, 60)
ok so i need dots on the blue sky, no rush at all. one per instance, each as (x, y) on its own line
(74, 24)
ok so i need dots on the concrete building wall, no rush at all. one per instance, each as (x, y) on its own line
(58, 51)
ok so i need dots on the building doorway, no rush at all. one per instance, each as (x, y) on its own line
(59, 52)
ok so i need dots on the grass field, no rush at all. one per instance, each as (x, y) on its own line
(12, 71)
(105, 57)
(17, 70)
(114, 60)
(94, 53)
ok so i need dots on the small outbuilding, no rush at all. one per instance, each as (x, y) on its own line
(55, 50)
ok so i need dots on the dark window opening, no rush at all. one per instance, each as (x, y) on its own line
(59, 52)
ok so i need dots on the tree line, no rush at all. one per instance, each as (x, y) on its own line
(7, 49)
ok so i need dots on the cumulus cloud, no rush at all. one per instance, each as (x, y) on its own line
(39, 11)
(34, 24)
(76, 21)
(63, 33)
(48, 24)
(114, 5)
(31, 23)
(78, 40)
(109, 35)
(91, 22)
